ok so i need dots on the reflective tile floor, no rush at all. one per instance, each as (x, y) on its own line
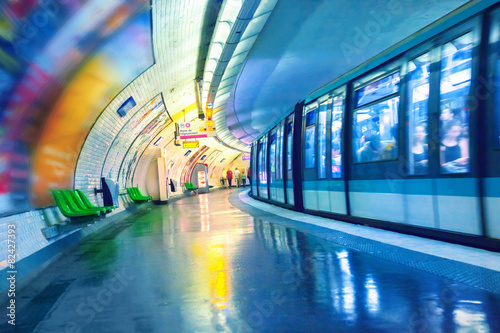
(201, 265)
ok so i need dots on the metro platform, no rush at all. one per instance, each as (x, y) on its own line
(224, 262)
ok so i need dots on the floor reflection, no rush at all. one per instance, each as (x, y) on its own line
(201, 265)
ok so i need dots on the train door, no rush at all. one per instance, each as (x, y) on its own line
(288, 166)
(441, 190)
(491, 123)
(273, 139)
(336, 183)
(253, 170)
(323, 186)
(310, 162)
(375, 184)
(418, 189)
(262, 168)
(457, 190)
(278, 181)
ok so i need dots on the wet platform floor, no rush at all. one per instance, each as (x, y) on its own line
(202, 265)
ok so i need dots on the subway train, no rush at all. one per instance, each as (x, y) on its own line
(408, 141)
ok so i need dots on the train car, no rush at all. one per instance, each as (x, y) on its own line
(409, 141)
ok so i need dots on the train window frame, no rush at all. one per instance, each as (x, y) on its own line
(494, 59)
(311, 107)
(273, 174)
(289, 124)
(396, 67)
(407, 141)
(262, 148)
(279, 150)
(474, 31)
(333, 97)
(327, 103)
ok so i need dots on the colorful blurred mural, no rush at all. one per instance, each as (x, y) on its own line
(61, 63)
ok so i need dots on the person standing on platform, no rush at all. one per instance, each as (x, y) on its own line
(229, 177)
(224, 178)
(237, 175)
(243, 179)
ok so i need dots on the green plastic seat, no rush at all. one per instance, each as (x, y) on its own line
(190, 187)
(70, 202)
(81, 206)
(133, 195)
(140, 195)
(87, 203)
(65, 209)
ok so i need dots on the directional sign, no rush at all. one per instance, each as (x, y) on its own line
(195, 130)
(190, 131)
(191, 144)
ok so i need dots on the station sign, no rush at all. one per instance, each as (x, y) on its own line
(191, 144)
(195, 130)
(246, 157)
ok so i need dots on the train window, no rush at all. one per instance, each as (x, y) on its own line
(456, 69)
(289, 144)
(376, 125)
(377, 90)
(279, 153)
(282, 152)
(310, 142)
(418, 101)
(322, 112)
(272, 156)
(338, 107)
(262, 162)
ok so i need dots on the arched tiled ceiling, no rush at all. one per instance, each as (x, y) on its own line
(180, 51)
(178, 44)
(306, 44)
(228, 51)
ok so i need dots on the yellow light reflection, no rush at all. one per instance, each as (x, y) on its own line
(216, 264)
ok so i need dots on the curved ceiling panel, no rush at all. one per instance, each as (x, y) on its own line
(218, 83)
(306, 44)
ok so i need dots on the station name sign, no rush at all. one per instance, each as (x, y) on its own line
(196, 130)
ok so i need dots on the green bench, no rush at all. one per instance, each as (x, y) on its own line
(75, 205)
(87, 204)
(69, 208)
(190, 187)
(136, 195)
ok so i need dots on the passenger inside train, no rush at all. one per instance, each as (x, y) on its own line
(420, 150)
(454, 152)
